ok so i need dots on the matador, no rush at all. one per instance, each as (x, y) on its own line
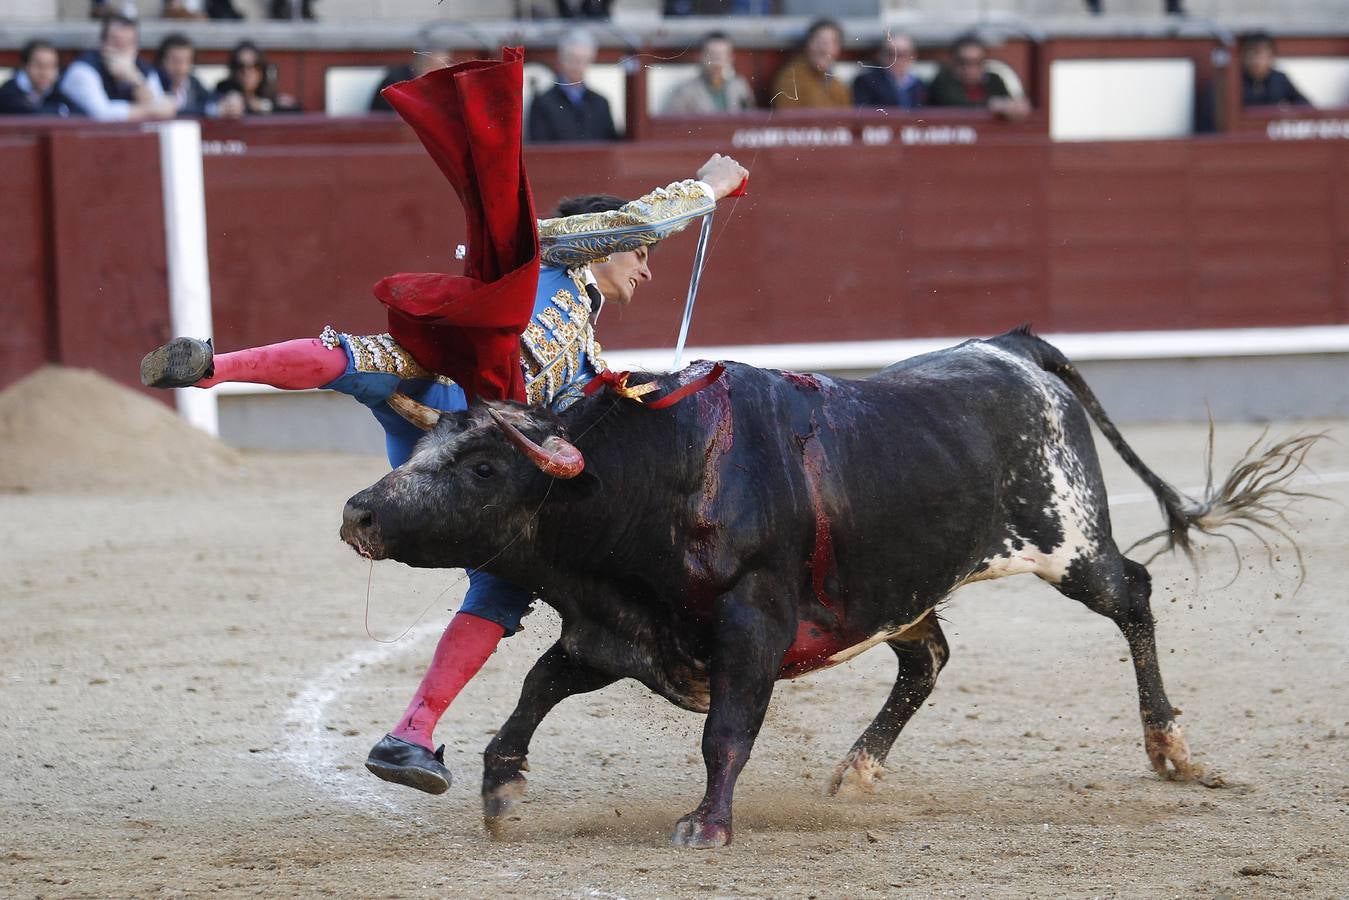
(519, 324)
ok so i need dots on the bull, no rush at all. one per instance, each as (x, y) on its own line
(773, 523)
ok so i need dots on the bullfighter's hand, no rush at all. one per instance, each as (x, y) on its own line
(722, 174)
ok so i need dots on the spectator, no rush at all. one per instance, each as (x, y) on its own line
(1170, 7)
(890, 82)
(808, 81)
(200, 9)
(252, 80)
(291, 9)
(174, 62)
(583, 9)
(186, 10)
(423, 61)
(570, 111)
(110, 84)
(1261, 83)
(33, 89)
(967, 82)
(717, 88)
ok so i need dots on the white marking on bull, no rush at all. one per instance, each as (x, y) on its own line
(1072, 506)
(859, 771)
(877, 638)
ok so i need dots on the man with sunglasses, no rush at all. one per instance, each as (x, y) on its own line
(966, 82)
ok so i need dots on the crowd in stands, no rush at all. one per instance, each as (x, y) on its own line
(113, 83)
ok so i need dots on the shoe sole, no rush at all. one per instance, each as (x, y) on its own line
(410, 776)
(181, 362)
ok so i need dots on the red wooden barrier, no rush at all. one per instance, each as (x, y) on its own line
(110, 273)
(852, 242)
(26, 338)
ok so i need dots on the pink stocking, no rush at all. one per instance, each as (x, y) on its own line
(293, 365)
(462, 650)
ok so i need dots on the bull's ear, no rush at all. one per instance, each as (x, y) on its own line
(572, 490)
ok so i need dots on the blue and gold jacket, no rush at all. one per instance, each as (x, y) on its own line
(558, 350)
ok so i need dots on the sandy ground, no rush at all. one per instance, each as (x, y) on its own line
(189, 692)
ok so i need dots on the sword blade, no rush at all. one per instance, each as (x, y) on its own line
(698, 256)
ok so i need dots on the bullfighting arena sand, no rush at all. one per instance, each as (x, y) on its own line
(189, 692)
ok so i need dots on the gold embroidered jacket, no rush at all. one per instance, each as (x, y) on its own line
(573, 241)
(558, 349)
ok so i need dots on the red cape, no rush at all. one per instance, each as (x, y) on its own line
(468, 326)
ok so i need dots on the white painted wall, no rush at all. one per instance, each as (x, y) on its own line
(1324, 80)
(1121, 99)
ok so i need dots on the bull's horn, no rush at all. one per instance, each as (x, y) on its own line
(419, 414)
(556, 457)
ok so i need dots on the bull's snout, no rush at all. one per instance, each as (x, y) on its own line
(360, 529)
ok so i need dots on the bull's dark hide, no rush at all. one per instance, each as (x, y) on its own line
(774, 523)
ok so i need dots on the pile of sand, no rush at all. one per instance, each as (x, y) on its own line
(73, 429)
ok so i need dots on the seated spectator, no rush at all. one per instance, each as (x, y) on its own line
(423, 61)
(1261, 83)
(889, 81)
(174, 62)
(570, 111)
(808, 80)
(111, 84)
(252, 80)
(1170, 7)
(583, 9)
(33, 89)
(291, 9)
(717, 88)
(185, 10)
(967, 82)
(200, 9)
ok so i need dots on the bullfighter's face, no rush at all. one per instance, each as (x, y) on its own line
(619, 276)
(467, 492)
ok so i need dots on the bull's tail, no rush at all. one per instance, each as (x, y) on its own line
(1254, 496)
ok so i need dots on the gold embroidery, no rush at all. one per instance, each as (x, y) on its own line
(578, 240)
(376, 353)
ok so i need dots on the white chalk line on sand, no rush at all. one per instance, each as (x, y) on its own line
(315, 757)
(310, 751)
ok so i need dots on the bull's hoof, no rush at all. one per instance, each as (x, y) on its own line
(1170, 754)
(403, 762)
(498, 802)
(697, 833)
(859, 771)
(182, 362)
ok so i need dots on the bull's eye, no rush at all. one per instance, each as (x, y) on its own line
(484, 470)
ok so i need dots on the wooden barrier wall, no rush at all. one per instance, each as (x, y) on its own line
(834, 244)
(854, 242)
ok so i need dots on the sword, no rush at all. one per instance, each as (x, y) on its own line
(699, 256)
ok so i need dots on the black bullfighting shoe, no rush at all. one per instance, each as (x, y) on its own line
(182, 362)
(404, 762)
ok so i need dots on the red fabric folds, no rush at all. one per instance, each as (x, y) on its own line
(468, 326)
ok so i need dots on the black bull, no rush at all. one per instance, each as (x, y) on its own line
(774, 523)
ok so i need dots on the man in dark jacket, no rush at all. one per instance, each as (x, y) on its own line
(1261, 83)
(967, 82)
(570, 111)
(174, 62)
(888, 81)
(33, 89)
